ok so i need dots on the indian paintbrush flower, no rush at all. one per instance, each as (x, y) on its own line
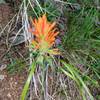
(45, 34)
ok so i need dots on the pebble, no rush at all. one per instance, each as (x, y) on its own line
(2, 67)
(9, 95)
(2, 77)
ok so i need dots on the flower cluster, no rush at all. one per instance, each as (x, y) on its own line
(45, 34)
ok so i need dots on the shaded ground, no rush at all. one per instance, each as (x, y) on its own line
(5, 14)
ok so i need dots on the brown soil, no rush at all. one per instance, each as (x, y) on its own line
(11, 86)
(5, 14)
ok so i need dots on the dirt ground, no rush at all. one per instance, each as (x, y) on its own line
(11, 86)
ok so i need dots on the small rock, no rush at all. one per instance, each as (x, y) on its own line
(9, 95)
(11, 78)
(15, 83)
(2, 77)
(2, 67)
(2, 1)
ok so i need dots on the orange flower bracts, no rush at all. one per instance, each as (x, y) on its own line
(45, 34)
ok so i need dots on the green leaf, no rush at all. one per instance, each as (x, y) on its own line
(26, 87)
(40, 59)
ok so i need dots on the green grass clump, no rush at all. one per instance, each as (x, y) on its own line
(16, 66)
(81, 44)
